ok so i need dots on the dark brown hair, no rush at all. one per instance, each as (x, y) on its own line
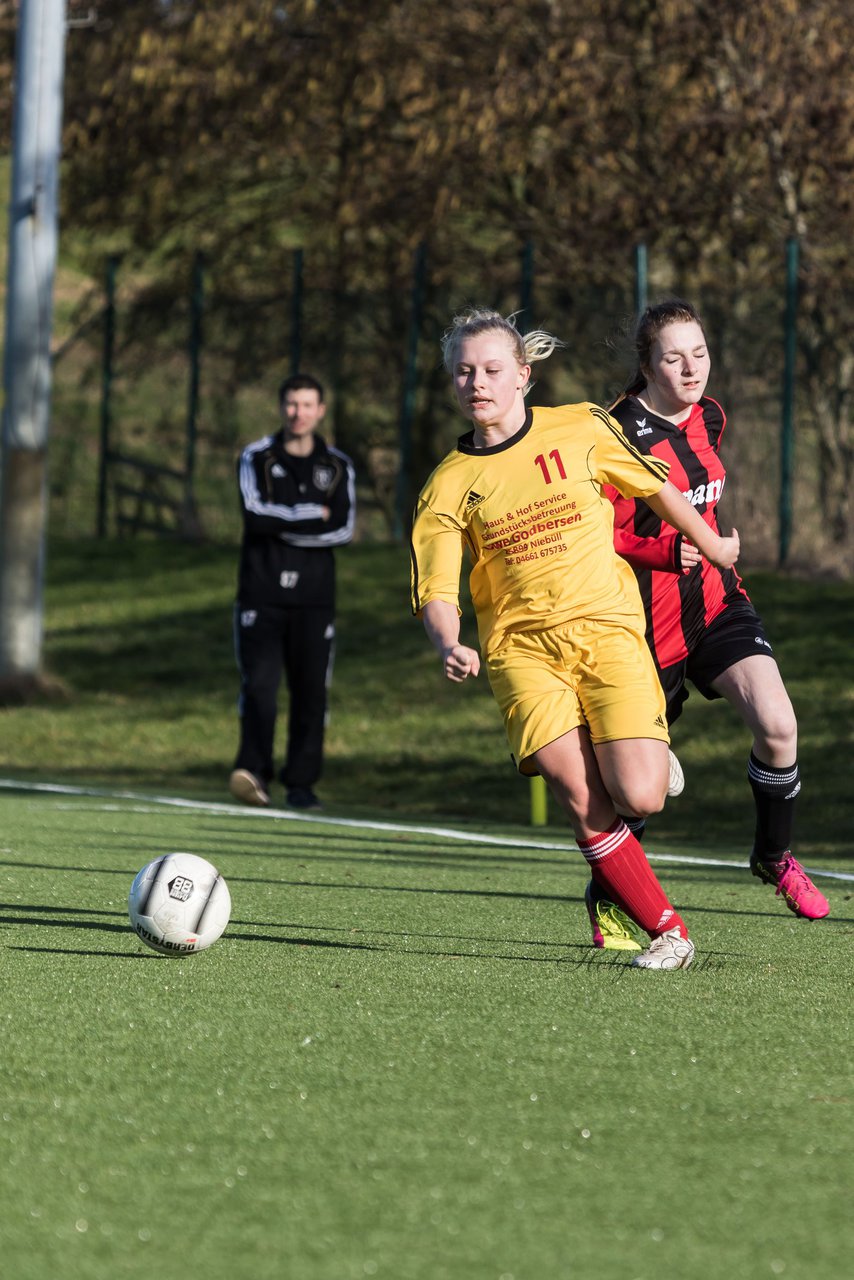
(649, 326)
(300, 382)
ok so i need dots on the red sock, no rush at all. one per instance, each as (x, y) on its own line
(620, 868)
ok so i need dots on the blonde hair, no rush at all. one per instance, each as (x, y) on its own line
(527, 348)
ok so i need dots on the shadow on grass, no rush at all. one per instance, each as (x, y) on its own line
(139, 659)
(609, 963)
(74, 951)
(12, 916)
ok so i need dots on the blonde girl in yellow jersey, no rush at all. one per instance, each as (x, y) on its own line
(560, 620)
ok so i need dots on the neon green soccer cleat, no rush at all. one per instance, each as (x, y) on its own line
(612, 929)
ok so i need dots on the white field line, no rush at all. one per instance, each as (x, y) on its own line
(144, 803)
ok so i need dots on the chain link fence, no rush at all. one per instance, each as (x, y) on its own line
(153, 400)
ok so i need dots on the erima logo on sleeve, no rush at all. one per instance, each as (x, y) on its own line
(643, 429)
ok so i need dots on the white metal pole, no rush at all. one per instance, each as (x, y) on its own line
(33, 235)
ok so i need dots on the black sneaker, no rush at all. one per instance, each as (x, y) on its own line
(303, 798)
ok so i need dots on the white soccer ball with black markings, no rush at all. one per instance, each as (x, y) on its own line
(179, 904)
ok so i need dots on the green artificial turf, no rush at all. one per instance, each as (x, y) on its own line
(404, 1060)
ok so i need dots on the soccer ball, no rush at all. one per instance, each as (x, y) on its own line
(179, 904)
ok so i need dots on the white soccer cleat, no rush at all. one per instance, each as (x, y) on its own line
(676, 778)
(668, 951)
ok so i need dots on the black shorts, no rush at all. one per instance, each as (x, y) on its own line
(734, 634)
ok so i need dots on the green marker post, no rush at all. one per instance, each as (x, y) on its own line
(539, 802)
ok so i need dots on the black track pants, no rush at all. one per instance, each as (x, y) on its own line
(301, 643)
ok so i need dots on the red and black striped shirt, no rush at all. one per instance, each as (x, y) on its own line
(678, 606)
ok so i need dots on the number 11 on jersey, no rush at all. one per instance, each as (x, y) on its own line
(540, 462)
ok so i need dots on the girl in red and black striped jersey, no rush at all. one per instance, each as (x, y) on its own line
(701, 625)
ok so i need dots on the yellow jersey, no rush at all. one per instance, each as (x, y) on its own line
(539, 531)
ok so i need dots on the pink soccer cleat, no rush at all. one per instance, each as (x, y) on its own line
(793, 884)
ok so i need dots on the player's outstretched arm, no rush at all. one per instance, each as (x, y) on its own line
(670, 504)
(442, 624)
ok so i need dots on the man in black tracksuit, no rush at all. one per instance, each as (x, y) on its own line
(298, 499)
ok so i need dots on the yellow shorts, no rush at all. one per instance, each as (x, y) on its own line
(599, 674)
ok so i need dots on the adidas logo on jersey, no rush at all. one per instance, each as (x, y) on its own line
(661, 722)
(473, 500)
(277, 470)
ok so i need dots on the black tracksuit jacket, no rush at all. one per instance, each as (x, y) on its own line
(287, 553)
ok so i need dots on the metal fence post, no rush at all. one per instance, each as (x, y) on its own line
(410, 383)
(641, 279)
(526, 290)
(195, 349)
(296, 314)
(106, 391)
(787, 426)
